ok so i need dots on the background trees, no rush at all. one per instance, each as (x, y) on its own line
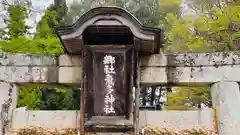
(188, 98)
(212, 25)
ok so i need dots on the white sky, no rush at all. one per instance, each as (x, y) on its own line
(38, 4)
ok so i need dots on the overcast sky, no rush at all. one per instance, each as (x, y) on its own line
(38, 4)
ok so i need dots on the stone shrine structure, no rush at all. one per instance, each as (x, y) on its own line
(110, 54)
(110, 41)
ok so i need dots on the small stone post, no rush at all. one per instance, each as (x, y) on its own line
(226, 101)
(8, 102)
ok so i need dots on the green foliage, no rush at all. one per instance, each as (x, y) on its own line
(30, 97)
(60, 99)
(44, 27)
(43, 43)
(17, 16)
(54, 14)
(61, 9)
(48, 45)
(216, 29)
(188, 98)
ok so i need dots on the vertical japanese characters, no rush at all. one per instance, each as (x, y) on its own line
(109, 71)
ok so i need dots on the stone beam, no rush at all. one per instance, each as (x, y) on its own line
(190, 68)
(178, 69)
(40, 69)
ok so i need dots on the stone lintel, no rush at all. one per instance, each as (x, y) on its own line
(189, 76)
(178, 69)
(190, 69)
(191, 59)
(40, 69)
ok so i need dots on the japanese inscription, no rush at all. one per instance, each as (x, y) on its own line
(109, 70)
(109, 77)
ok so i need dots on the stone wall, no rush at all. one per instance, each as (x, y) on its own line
(66, 119)
(40, 69)
(190, 69)
(219, 70)
(178, 69)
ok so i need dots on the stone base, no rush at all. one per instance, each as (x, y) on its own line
(108, 124)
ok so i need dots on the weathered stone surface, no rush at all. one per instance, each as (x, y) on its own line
(70, 75)
(226, 98)
(27, 60)
(189, 75)
(190, 68)
(177, 119)
(8, 102)
(27, 68)
(191, 59)
(66, 119)
(28, 74)
(46, 119)
(70, 60)
(70, 70)
(181, 69)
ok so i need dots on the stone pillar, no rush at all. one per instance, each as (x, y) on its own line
(8, 101)
(226, 101)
